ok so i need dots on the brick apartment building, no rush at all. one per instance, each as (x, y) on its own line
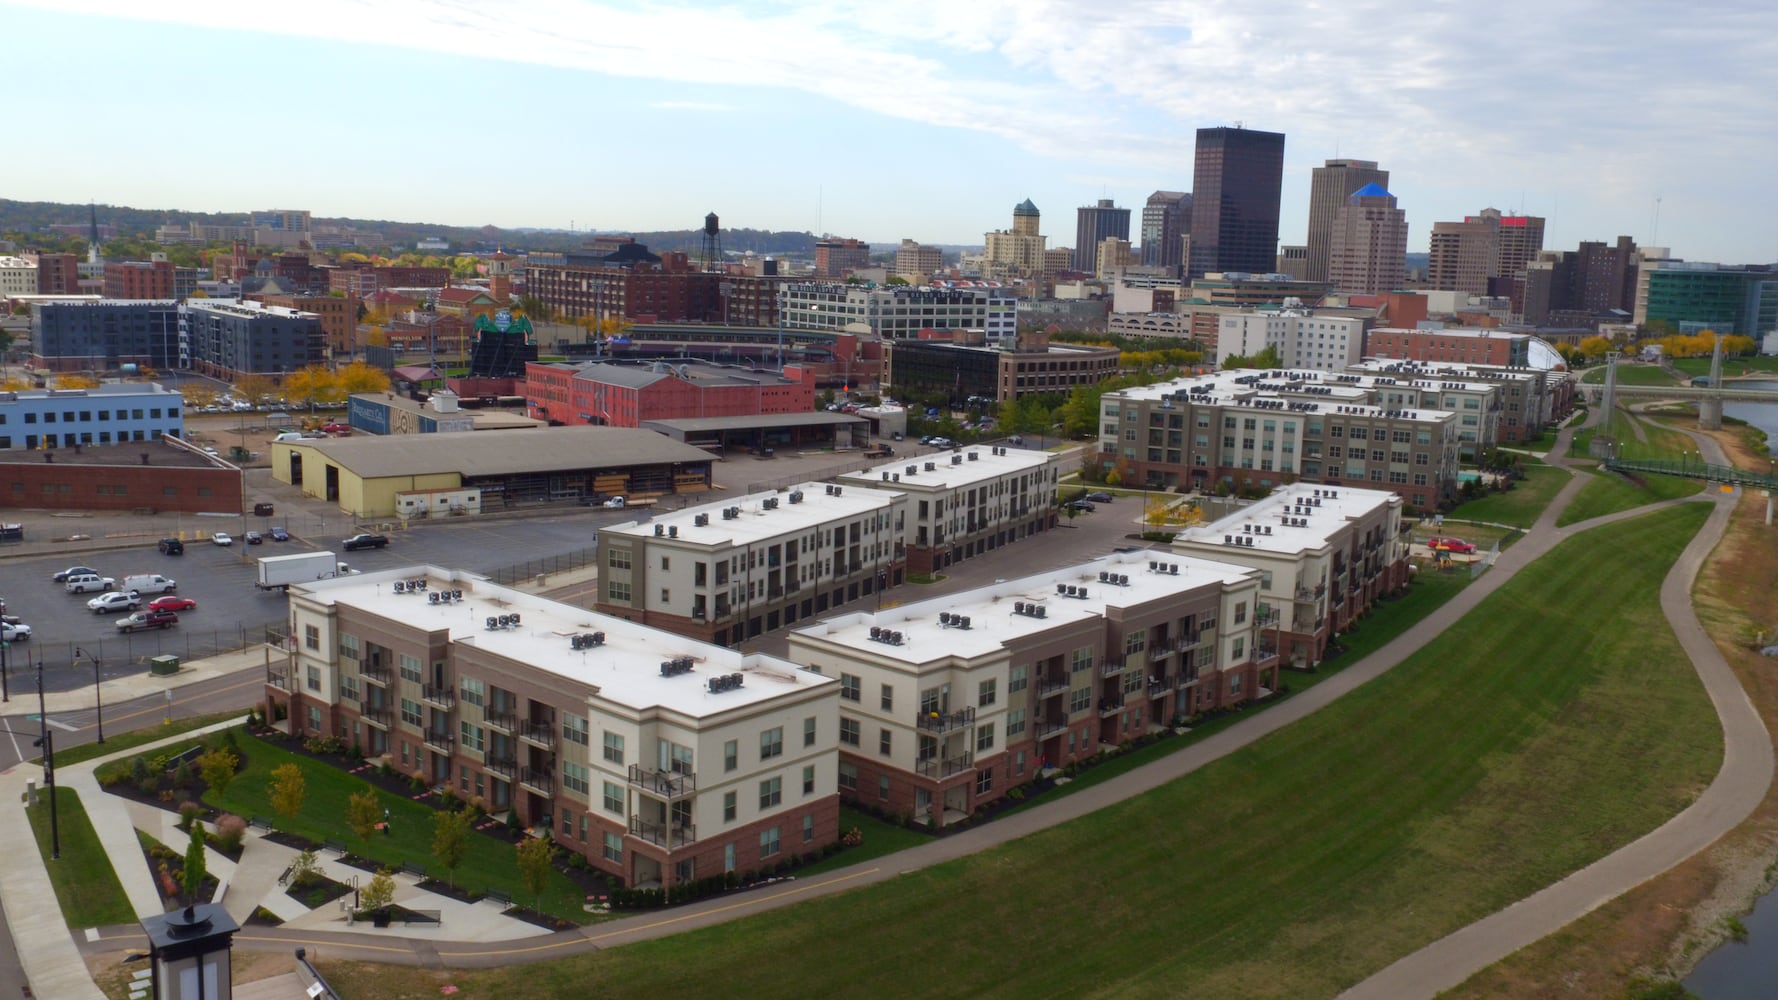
(339, 317)
(1526, 400)
(658, 759)
(628, 393)
(968, 502)
(139, 279)
(58, 274)
(1453, 345)
(946, 704)
(623, 280)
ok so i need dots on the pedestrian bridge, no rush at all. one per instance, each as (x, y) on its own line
(1728, 391)
(1694, 470)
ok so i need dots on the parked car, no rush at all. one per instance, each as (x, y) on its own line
(1098, 497)
(1080, 505)
(222, 538)
(147, 619)
(1450, 544)
(63, 576)
(172, 547)
(367, 541)
(15, 631)
(86, 583)
(115, 600)
(148, 583)
(252, 538)
(280, 535)
(335, 427)
(614, 502)
(172, 602)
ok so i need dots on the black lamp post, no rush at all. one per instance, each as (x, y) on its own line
(98, 697)
(5, 646)
(46, 740)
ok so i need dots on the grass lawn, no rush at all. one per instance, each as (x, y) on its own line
(1543, 440)
(138, 737)
(1730, 366)
(1533, 737)
(1520, 505)
(86, 885)
(1632, 374)
(1609, 493)
(323, 817)
(880, 838)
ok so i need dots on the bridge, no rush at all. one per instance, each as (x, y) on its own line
(1693, 470)
(1729, 391)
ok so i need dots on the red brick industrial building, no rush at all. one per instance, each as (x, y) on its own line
(624, 394)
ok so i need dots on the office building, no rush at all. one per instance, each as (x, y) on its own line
(113, 413)
(1368, 244)
(916, 263)
(727, 571)
(1166, 222)
(1113, 256)
(138, 279)
(1697, 295)
(836, 258)
(18, 276)
(1583, 287)
(58, 274)
(1303, 339)
(1094, 224)
(898, 312)
(658, 759)
(618, 278)
(1293, 261)
(947, 704)
(1465, 256)
(1018, 252)
(1329, 187)
(967, 503)
(102, 335)
(232, 339)
(1237, 178)
(1026, 365)
(629, 392)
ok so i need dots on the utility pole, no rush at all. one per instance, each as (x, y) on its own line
(98, 694)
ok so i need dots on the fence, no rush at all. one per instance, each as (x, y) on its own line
(128, 654)
(562, 562)
(313, 984)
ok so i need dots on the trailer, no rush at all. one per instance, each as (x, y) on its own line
(279, 572)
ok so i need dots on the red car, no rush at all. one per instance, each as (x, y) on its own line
(1450, 545)
(172, 602)
(336, 428)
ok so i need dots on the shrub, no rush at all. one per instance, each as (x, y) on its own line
(143, 776)
(230, 830)
(305, 870)
(357, 750)
(417, 783)
(323, 745)
(226, 740)
(853, 837)
(182, 776)
(189, 811)
(378, 894)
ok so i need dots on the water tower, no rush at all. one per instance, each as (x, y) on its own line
(712, 257)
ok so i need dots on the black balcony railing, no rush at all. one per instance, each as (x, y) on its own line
(667, 784)
(374, 673)
(440, 741)
(946, 768)
(505, 767)
(944, 722)
(541, 781)
(1051, 726)
(278, 676)
(376, 715)
(1050, 688)
(436, 694)
(502, 720)
(542, 734)
(1109, 705)
(663, 834)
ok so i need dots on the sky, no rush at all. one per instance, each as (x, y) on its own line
(882, 121)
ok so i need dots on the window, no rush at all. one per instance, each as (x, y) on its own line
(985, 692)
(1235, 684)
(348, 646)
(475, 738)
(410, 712)
(1018, 680)
(617, 590)
(771, 792)
(771, 743)
(574, 729)
(1079, 700)
(315, 718)
(809, 779)
(575, 778)
(728, 807)
(311, 637)
(809, 731)
(883, 787)
(728, 857)
(410, 668)
(1135, 641)
(614, 847)
(984, 738)
(984, 782)
(808, 827)
(617, 558)
(1240, 612)
(849, 731)
(884, 739)
(349, 687)
(613, 798)
(848, 777)
(1015, 723)
(473, 692)
(314, 678)
(888, 701)
(731, 755)
(768, 843)
(614, 748)
(1083, 659)
(849, 687)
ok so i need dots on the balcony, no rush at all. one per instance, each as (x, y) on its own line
(439, 696)
(539, 734)
(666, 784)
(278, 675)
(663, 835)
(1110, 706)
(442, 742)
(505, 767)
(1196, 639)
(1161, 651)
(375, 673)
(538, 780)
(1308, 596)
(1185, 680)
(1050, 688)
(939, 770)
(1264, 658)
(376, 715)
(1050, 727)
(502, 721)
(944, 722)
(1111, 668)
(1159, 686)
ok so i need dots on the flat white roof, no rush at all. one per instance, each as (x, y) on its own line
(993, 621)
(1325, 392)
(952, 470)
(796, 509)
(626, 668)
(1295, 517)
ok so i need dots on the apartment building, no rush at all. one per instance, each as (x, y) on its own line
(1529, 399)
(1031, 366)
(948, 703)
(101, 335)
(1324, 556)
(18, 276)
(900, 312)
(727, 571)
(968, 502)
(1251, 429)
(231, 339)
(1303, 339)
(916, 262)
(658, 758)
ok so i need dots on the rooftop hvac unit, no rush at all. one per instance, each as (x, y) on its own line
(1228, 539)
(1123, 580)
(700, 520)
(659, 530)
(1062, 588)
(1103, 575)
(597, 638)
(898, 477)
(1173, 569)
(829, 489)
(1153, 566)
(1246, 529)
(399, 586)
(1268, 529)
(961, 621)
(672, 531)
(895, 638)
(1018, 607)
(837, 491)
(728, 514)
(577, 641)
(492, 623)
(875, 632)
(1042, 612)
(913, 469)
(974, 455)
(944, 618)
(796, 496)
(885, 477)
(432, 598)
(931, 466)
(456, 595)
(956, 459)
(734, 680)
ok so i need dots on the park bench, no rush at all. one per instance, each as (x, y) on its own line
(417, 871)
(411, 917)
(260, 823)
(337, 846)
(500, 896)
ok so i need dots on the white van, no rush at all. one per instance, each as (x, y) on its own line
(148, 583)
(88, 583)
(287, 436)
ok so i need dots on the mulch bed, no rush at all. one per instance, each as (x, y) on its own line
(320, 891)
(262, 917)
(543, 920)
(294, 841)
(175, 869)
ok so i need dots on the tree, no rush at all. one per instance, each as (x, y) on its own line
(198, 395)
(450, 840)
(534, 856)
(378, 894)
(1594, 348)
(193, 877)
(363, 813)
(256, 389)
(359, 377)
(312, 385)
(288, 789)
(533, 307)
(217, 768)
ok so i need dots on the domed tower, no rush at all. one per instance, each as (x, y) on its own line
(1025, 218)
(500, 277)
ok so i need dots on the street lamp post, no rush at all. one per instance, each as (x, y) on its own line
(98, 696)
(47, 741)
(5, 646)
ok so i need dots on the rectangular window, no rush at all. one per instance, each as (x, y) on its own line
(613, 797)
(410, 668)
(984, 782)
(883, 787)
(728, 858)
(986, 692)
(614, 748)
(984, 738)
(614, 847)
(410, 712)
(884, 739)
(473, 691)
(808, 828)
(731, 755)
(311, 637)
(771, 792)
(888, 701)
(575, 778)
(1079, 700)
(617, 590)
(348, 646)
(728, 807)
(771, 743)
(618, 558)
(768, 843)
(809, 731)
(1083, 659)
(349, 687)
(849, 685)
(574, 729)
(475, 738)
(1015, 723)
(314, 678)
(809, 779)
(849, 731)
(1018, 680)
(848, 777)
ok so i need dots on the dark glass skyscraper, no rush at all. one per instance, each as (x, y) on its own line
(1237, 178)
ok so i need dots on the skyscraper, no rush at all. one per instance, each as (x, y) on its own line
(1166, 217)
(1017, 252)
(1237, 177)
(1096, 223)
(1465, 255)
(1329, 187)
(1368, 243)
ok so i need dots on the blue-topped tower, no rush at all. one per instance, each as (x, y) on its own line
(1329, 186)
(1368, 243)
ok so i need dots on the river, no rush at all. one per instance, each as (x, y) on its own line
(1746, 970)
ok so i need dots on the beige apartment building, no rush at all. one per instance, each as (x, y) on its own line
(968, 502)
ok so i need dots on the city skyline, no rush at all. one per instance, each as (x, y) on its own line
(930, 125)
